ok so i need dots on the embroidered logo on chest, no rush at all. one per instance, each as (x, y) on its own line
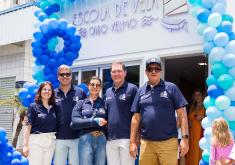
(145, 96)
(75, 98)
(122, 97)
(164, 94)
(41, 115)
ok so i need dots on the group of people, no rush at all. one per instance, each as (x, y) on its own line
(95, 131)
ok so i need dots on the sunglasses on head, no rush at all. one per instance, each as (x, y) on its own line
(95, 85)
(65, 74)
(151, 69)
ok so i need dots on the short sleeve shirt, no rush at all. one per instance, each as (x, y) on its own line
(41, 119)
(157, 106)
(118, 104)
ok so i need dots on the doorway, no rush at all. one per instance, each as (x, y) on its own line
(188, 73)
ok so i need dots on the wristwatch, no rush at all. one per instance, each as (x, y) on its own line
(185, 136)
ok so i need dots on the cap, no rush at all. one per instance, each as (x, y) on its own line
(154, 60)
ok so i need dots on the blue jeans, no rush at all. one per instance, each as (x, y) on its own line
(66, 149)
(92, 150)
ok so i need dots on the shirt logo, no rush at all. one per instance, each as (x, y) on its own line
(41, 115)
(108, 98)
(75, 98)
(122, 97)
(163, 94)
(101, 110)
(145, 96)
(58, 100)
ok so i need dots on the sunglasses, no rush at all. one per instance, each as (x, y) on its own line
(151, 69)
(65, 74)
(95, 85)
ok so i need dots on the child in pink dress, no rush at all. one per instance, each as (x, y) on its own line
(221, 142)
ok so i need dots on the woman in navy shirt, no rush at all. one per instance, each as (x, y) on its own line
(89, 117)
(39, 133)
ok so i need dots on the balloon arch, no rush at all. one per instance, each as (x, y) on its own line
(214, 25)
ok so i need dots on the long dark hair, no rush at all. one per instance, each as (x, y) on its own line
(194, 104)
(38, 97)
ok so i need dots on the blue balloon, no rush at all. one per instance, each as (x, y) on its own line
(231, 36)
(85, 89)
(207, 47)
(52, 63)
(222, 102)
(230, 93)
(47, 71)
(226, 27)
(32, 88)
(16, 155)
(2, 133)
(37, 35)
(219, 8)
(52, 78)
(227, 17)
(213, 113)
(208, 3)
(214, 91)
(75, 47)
(211, 80)
(214, 20)
(7, 157)
(229, 60)
(63, 24)
(216, 55)
(26, 102)
(71, 29)
(24, 161)
(53, 23)
(37, 12)
(75, 39)
(202, 15)
(230, 48)
(205, 156)
(208, 133)
(23, 93)
(209, 33)
(195, 2)
(218, 69)
(44, 59)
(42, 16)
(221, 39)
(202, 162)
(230, 113)
(225, 81)
(208, 102)
(16, 162)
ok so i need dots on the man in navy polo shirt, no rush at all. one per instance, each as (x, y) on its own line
(154, 113)
(66, 97)
(118, 100)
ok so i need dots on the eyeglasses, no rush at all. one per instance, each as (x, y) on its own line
(95, 85)
(151, 69)
(65, 74)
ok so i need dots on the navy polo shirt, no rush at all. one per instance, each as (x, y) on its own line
(65, 105)
(41, 119)
(118, 104)
(157, 107)
(84, 113)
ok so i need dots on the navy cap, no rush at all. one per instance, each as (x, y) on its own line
(154, 60)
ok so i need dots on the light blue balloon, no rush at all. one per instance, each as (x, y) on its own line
(216, 55)
(225, 81)
(221, 39)
(201, 27)
(230, 93)
(43, 27)
(211, 80)
(195, 2)
(209, 33)
(203, 144)
(230, 113)
(218, 69)
(208, 133)
(219, 8)
(222, 1)
(206, 156)
(229, 60)
(230, 48)
(222, 102)
(214, 20)
(206, 122)
(193, 11)
(208, 102)
(213, 113)
(231, 71)
(208, 46)
(208, 3)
